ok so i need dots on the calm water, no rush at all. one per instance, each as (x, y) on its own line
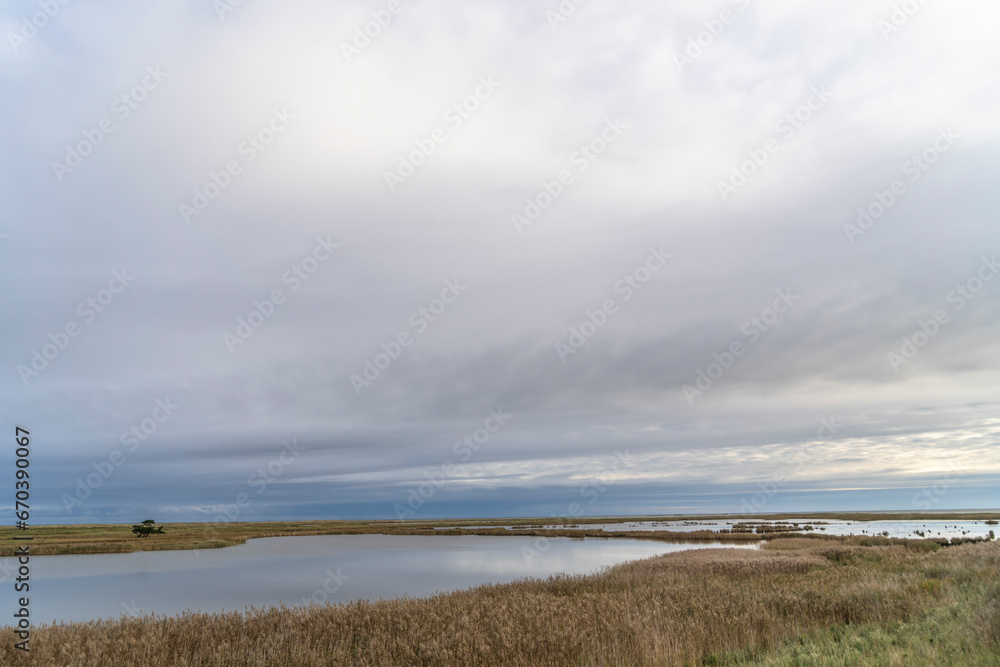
(299, 570)
(930, 528)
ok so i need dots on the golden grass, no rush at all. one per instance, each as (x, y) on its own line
(693, 607)
(960, 626)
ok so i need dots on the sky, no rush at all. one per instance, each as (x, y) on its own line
(416, 259)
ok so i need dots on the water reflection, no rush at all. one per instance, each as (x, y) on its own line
(903, 528)
(295, 570)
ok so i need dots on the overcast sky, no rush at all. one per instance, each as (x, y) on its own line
(500, 258)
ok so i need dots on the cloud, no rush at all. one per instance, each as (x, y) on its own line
(657, 184)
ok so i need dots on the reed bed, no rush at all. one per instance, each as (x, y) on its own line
(719, 606)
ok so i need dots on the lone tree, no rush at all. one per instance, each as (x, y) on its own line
(147, 528)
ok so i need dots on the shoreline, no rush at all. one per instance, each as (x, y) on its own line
(789, 596)
(81, 539)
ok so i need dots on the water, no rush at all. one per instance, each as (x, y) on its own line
(930, 528)
(299, 570)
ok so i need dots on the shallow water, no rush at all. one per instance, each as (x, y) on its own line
(301, 570)
(931, 528)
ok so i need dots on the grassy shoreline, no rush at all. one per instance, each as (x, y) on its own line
(117, 538)
(797, 601)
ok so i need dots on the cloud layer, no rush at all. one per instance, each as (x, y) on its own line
(363, 243)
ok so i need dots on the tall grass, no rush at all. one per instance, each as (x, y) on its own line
(681, 608)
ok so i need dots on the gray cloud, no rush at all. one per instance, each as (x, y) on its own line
(655, 185)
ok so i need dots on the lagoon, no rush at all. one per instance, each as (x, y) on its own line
(304, 570)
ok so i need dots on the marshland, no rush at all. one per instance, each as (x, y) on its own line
(795, 598)
(113, 538)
